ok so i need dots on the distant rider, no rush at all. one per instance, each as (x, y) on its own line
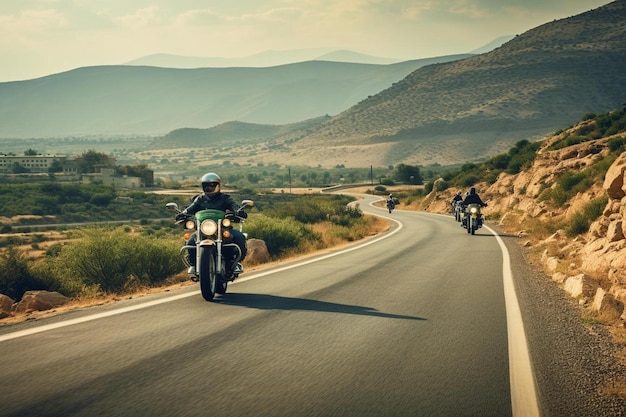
(457, 198)
(391, 203)
(213, 198)
(473, 198)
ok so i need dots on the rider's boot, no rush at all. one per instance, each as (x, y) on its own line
(192, 273)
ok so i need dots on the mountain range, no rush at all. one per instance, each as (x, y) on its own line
(129, 99)
(269, 58)
(466, 110)
(445, 110)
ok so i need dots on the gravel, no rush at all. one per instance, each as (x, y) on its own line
(575, 360)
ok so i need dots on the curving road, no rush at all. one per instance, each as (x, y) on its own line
(409, 323)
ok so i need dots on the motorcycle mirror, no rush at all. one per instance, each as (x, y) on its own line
(172, 206)
(247, 203)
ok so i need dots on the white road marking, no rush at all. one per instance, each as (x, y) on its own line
(523, 392)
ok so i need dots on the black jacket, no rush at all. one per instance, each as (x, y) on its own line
(473, 199)
(219, 201)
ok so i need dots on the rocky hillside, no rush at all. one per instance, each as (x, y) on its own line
(569, 210)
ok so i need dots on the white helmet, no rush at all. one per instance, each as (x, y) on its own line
(211, 183)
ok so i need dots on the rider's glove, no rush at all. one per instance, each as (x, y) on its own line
(180, 217)
(242, 214)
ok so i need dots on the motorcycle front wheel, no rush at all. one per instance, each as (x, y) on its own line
(208, 277)
(221, 285)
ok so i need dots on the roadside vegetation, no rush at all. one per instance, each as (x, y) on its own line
(109, 259)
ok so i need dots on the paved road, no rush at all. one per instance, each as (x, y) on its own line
(412, 323)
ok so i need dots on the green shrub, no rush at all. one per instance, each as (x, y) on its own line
(15, 276)
(581, 221)
(281, 235)
(311, 209)
(115, 261)
(568, 185)
(355, 230)
(616, 144)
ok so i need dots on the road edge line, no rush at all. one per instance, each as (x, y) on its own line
(523, 387)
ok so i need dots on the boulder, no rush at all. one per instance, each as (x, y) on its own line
(581, 285)
(257, 252)
(40, 301)
(615, 232)
(6, 303)
(614, 178)
(607, 306)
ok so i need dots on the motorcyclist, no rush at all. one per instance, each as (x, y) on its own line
(391, 203)
(473, 198)
(455, 199)
(213, 198)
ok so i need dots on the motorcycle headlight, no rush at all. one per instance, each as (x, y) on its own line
(208, 227)
(226, 222)
(473, 210)
(190, 225)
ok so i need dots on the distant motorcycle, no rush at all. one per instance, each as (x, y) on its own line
(391, 204)
(473, 218)
(458, 210)
(216, 253)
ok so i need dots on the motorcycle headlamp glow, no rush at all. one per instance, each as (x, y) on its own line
(226, 222)
(208, 227)
(190, 225)
(473, 210)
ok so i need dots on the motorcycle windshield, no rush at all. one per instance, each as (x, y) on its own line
(211, 214)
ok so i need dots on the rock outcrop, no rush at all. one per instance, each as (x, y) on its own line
(39, 301)
(6, 304)
(257, 252)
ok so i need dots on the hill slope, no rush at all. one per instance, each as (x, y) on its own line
(534, 84)
(149, 100)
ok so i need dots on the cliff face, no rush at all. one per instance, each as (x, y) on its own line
(590, 266)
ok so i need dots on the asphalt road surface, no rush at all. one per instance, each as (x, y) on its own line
(412, 322)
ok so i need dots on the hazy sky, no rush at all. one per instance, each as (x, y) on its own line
(41, 37)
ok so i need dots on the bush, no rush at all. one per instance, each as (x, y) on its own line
(581, 221)
(115, 261)
(311, 209)
(15, 276)
(568, 185)
(380, 188)
(281, 236)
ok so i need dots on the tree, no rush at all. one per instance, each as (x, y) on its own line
(55, 166)
(17, 168)
(408, 174)
(31, 152)
(91, 159)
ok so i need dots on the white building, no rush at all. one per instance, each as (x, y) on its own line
(30, 163)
